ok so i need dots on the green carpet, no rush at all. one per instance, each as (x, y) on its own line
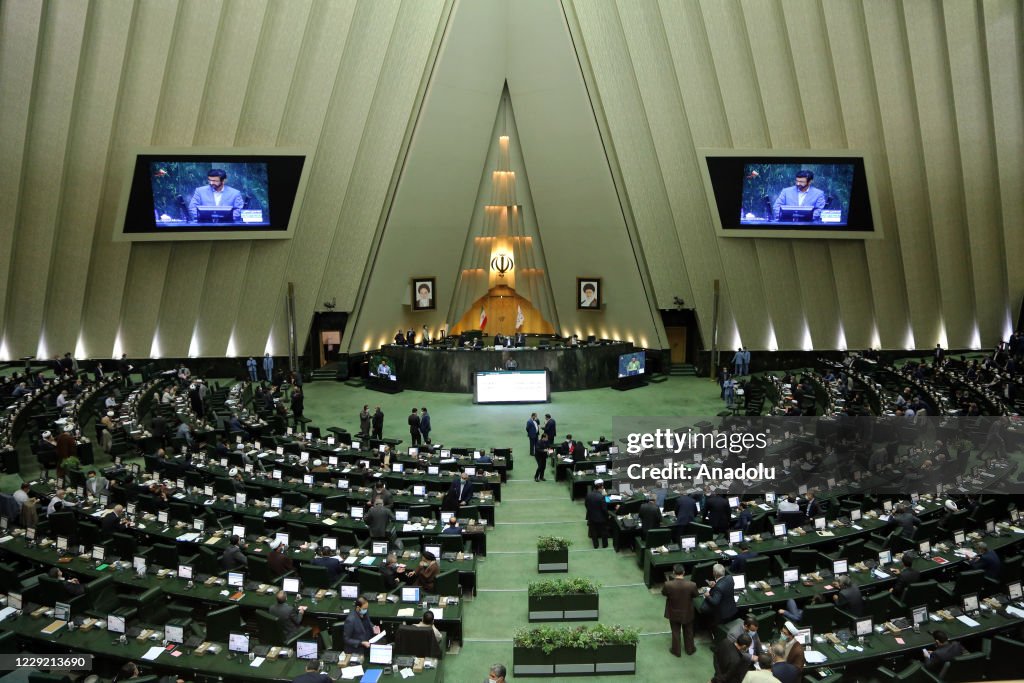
(530, 509)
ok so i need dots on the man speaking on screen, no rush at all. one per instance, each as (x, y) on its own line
(801, 195)
(216, 193)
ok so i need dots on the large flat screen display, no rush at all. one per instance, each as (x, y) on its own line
(632, 364)
(523, 386)
(211, 195)
(807, 195)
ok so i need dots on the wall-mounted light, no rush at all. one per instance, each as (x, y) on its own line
(502, 263)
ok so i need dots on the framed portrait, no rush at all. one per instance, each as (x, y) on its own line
(588, 293)
(423, 289)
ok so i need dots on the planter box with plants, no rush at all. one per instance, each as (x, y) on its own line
(552, 554)
(580, 651)
(563, 600)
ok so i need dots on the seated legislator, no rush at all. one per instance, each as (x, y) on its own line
(425, 575)
(233, 557)
(290, 616)
(277, 561)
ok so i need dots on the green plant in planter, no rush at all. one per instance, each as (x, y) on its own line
(549, 639)
(573, 586)
(553, 543)
(71, 463)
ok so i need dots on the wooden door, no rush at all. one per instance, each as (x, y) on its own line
(677, 344)
(502, 315)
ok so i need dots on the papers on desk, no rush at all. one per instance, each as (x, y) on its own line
(406, 673)
(8, 611)
(178, 496)
(368, 560)
(730, 552)
(967, 621)
(270, 514)
(406, 527)
(438, 612)
(351, 560)
(406, 612)
(377, 637)
(6, 538)
(328, 521)
(371, 676)
(189, 537)
(256, 662)
(352, 672)
(153, 652)
(879, 574)
(814, 656)
(1016, 530)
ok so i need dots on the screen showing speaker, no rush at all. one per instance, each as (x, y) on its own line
(632, 364)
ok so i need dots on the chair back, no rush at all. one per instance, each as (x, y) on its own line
(452, 543)
(658, 537)
(805, 559)
(854, 551)
(703, 572)
(314, 576)
(819, 617)
(259, 569)
(702, 531)
(968, 582)
(164, 555)
(1011, 569)
(221, 622)
(370, 580)
(269, 629)
(923, 593)
(416, 641)
(758, 568)
(967, 667)
(878, 606)
(447, 582)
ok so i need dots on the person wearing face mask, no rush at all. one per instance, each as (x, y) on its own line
(794, 651)
(426, 574)
(497, 674)
(358, 629)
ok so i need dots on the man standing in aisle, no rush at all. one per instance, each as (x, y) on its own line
(425, 426)
(597, 514)
(364, 421)
(251, 367)
(377, 422)
(414, 427)
(532, 430)
(679, 594)
(549, 427)
(268, 367)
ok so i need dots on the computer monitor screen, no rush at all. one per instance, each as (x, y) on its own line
(925, 547)
(185, 571)
(139, 563)
(236, 579)
(97, 552)
(885, 557)
(61, 611)
(632, 364)
(316, 508)
(62, 543)
(115, 624)
(735, 537)
(307, 479)
(819, 523)
(855, 515)
(734, 501)
(434, 550)
(971, 602)
(174, 633)
(397, 467)
(305, 649)
(779, 530)
(383, 368)
(419, 490)
(919, 614)
(329, 542)
(14, 600)
(433, 469)
(413, 451)
(401, 515)
(1014, 590)
(688, 542)
(379, 548)
(769, 498)
(791, 575)
(380, 654)
(470, 471)
(959, 537)
(238, 530)
(887, 505)
(803, 636)
(840, 567)
(240, 498)
(290, 585)
(410, 594)
(990, 526)
(357, 512)
(276, 502)
(238, 642)
(356, 445)
(282, 538)
(276, 474)
(349, 591)
(332, 460)
(739, 582)
(198, 524)
(600, 469)
(863, 627)
(343, 483)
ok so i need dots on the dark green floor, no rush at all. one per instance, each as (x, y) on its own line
(530, 509)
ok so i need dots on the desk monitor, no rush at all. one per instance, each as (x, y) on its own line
(613, 450)
(307, 479)
(382, 448)
(919, 614)
(238, 642)
(174, 633)
(276, 474)
(240, 498)
(185, 571)
(855, 515)
(115, 624)
(356, 511)
(305, 649)
(380, 654)
(769, 498)
(735, 537)
(887, 505)
(990, 526)
(282, 538)
(803, 636)
(419, 490)
(477, 455)
(863, 627)
(819, 523)
(61, 611)
(397, 467)
(356, 445)
(971, 603)
(470, 471)
(139, 563)
(959, 537)
(600, 469)
(130, 508)
(365, 464)
(343, 483)
(739, 582)
(885, 557)
(401, 515)
(316, 508)
(688, 542)
(1014, 590)
(734, 501)
(290, 585)
(779, 530)
(236, 579)
(14, 599)
(446, 452)
(413, 451)
(925, 547)
(238, 530)
(1015, 514)
(348, 591)
(433, 469)
(162, 517)
(791, 575)
(434, 550)
(62, 543)
(410, 594)
(198, 525)
(332, 460)
(379, 548)
(840, 567)
(97, 552)
(303, 457)
(329, 542)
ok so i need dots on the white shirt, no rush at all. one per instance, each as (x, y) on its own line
(217, 194)
(21, 497)
(786, 506)
(53, 503)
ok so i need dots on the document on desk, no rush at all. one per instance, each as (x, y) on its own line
(406, 612)
(6, 538)
(188, 538)
(879, 574)
(153, 652)
(967, 621)
(271, 514)
(351, 559)
(814, 656)
(407, 673)
(54, 627)
(368, 560)
(8, 611)
(257, 661)
(1015, 611)
(329, 521)
(350, 673)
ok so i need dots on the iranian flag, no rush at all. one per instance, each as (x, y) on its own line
(483, 317)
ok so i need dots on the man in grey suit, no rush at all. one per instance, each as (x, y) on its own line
(801, 194)
(216, 193)
(289, 616)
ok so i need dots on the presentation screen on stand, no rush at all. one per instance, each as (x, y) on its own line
(523, 386)
(632, 364)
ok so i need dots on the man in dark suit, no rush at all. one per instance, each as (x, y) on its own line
(730, 663)
(359, 629)
(908, 575)
(686, 512)
(945, 650)
(848, 598)
(377, 422)
(717, 513)
(378, 518)
(739, 562)
(679, 594)
(720, 604)
(414, 427)
(461, 491)
(781, 669)
(987, 560)
(744, 518)
(748, 626)
(425, 425)
(905, 520)
(328, 561)
(113, 520)
(549, 427)
(532, 432)
(289, 616)
(650, 514)
(597, 514)
(312, 674)
(813, 505)
(233, 557)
